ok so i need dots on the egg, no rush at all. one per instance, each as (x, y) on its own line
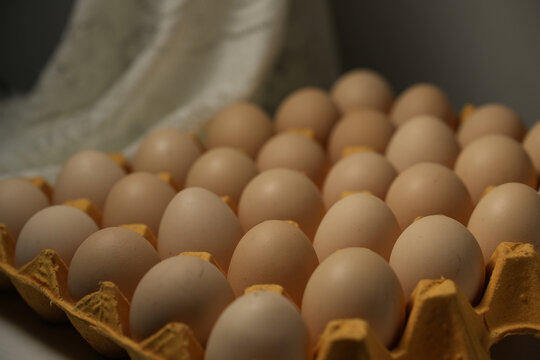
(137, 198)
(310, 108)
(368, 128)
(358, 220)
(428, 189)
(223, 170)
(509, 212)
(491, 119)
(423, 138)
(61, 228)
(87, 174)
(362, 88)
(198, 220)
(422, 99)
(259, 325)
(437, 246)
(531, 143)
(19, 200)
(281, 194)
(294, 151)
(184, 289)
(361, 171)
(352, 283)
(167, 150)
(273, 252)
(242, 125)
(493, 160)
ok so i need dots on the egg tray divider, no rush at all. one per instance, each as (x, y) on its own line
(441, 322)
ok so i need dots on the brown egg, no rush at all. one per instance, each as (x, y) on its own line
(112, 254)
(87, 174)
(491, 119)
(253, 325)
(438, 246)
(422, 138)
(60, 228)
(19, 200)
(422, 99)
(358, 220)
(361, 171)
(224, 171)
(354, 283)
(273, 252)
(167, 150)
(531, 143)
(242, 125)
(428, 189)
(281, 194)
(493, 160)
(307, 108)
(294, 151)
(137, 198)
(185, 289)
(509, 212)
(360, 128)
(198, 220)
(362, 88)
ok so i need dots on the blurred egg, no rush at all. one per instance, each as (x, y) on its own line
(509, 212)
(112, 254)
(423, 138)
(368, 128)
(361, 171)
(242, 125)
(184, 289)
(167, 150)
(198, 220)
(362, 88)
(428, 189)
(19, 200)
(61, 228)
(224, 171)
(531, 143)
(273, 252)
(493, 160)
(308, 107)
(437, 246)
(294, 151)
(354, 283)
(281, 194)
(138, 198)
(260, 325)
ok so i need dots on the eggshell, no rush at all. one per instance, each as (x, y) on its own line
(362, 88)
(167, 150)
(308, 107)
(423, 138)
(360, 127)
(428, 189)
(273, 252)
(352, 283)
(281, 194)
(19, 200)
(259, 325)
(531, 143)
(185, 289)
(198, 220)
(437, 246)
(137, 198)
(87, 174)
(59, 227)
(242, 125)
(509, 212)
(224, 171)
(358, 220)
(112, 254)
(493, 160)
